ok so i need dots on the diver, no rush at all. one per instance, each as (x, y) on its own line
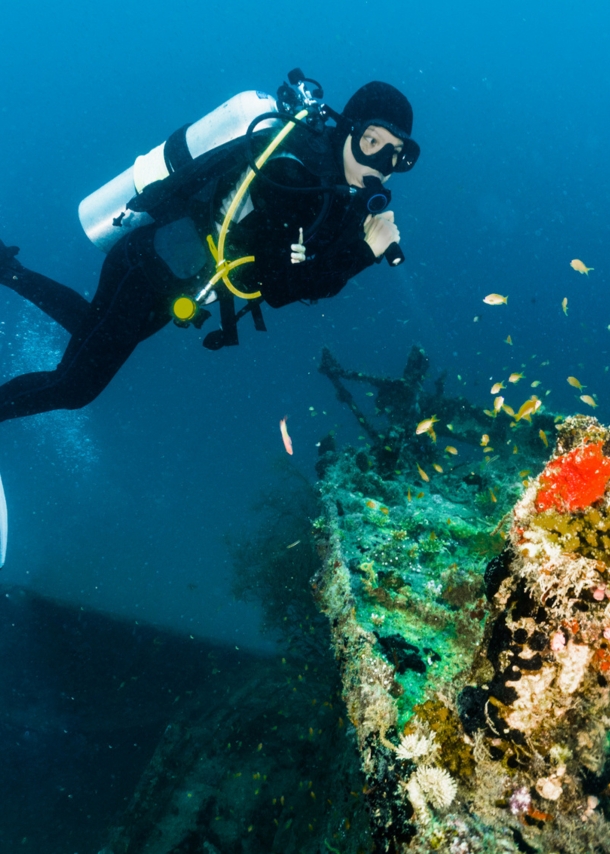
(312, 218)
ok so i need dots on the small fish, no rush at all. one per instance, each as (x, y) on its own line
(492, 496)
(564, 305)
(586, 398)
(426, 425)
(285, 437)
(484, 439)
(422, 473)
(495, 299)
(451, 450)
(543, 364)
(292, 545)
(580, 267)
(476, 319)
(515, 449)
(498, 403)
(496, 387)
(408, 495)
(525, 472)
(528, 408)
(535, 384)
(543, 438)
(450, 427)
(575, 383)
(508, 409)
(372, 505)
(488, 450)
(489, 413)
(508, 340)
(514, 378)
(370, 394)
(437, 468)
(420, 494)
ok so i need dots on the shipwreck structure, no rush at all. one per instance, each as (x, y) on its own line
(460, 562)
(473, 636)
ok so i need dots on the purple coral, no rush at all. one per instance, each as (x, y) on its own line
(520, 801)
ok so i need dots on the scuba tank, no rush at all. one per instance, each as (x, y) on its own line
(104, 214)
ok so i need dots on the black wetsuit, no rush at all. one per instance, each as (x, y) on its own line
(139, 281)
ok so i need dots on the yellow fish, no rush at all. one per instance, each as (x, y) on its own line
(535, 384)
(544, 439)
(498, 403)
(495, 299)
(437, 468)
(580, 267)
(489, 413)
(497, 387)
(514, 378)
(422, 473)
(528, 408)
(492, 496)
(525, 472)
(586, 398)
(508, 409)
(564, 305)
(484, 439)
(451, 450)
(426, 425)
(488, 450)
(575, 383)
(508, 340)
(515, 449)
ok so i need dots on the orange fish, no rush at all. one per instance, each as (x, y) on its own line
(586, 398)
(422, 473)
(577, 265)
(285, 437)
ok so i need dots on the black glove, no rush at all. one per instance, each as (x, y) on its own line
(7, 257)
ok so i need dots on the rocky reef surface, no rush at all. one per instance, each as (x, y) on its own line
(467, 595)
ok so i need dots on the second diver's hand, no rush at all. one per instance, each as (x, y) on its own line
(382, 235)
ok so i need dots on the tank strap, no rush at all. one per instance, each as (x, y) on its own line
(176, 151)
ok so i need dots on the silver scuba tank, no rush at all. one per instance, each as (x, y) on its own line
(104, 215)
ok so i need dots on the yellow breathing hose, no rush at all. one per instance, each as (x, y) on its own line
(224, 267)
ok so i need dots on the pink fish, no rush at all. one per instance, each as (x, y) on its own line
(286, 438)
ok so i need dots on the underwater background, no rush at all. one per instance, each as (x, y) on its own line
(131, 507)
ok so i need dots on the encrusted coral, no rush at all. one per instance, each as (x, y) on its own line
(574, 480)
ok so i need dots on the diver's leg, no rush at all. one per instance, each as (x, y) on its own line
(118, 318)
(64, 305)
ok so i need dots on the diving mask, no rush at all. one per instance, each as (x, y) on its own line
(383, 161)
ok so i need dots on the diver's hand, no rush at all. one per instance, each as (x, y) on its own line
(380, 231)
(297, 256)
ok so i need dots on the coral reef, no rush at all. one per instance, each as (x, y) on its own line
(470, 617)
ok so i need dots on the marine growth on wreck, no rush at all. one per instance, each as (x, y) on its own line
(468, 597)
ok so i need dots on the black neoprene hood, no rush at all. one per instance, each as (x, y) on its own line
(383, 102)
